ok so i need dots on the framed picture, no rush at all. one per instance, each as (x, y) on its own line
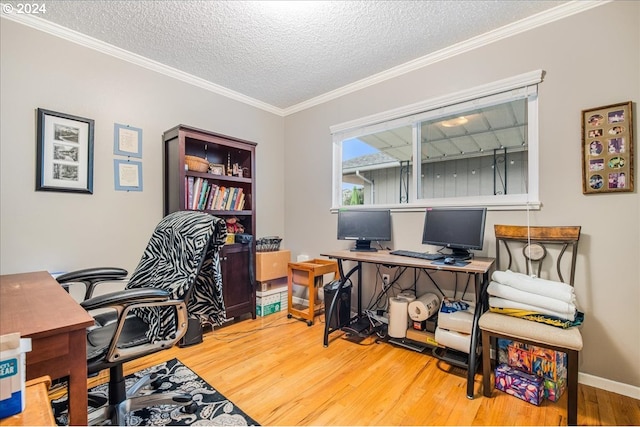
(127, 175)
(607, 149)
(64, 153)
(127, 141)
(216, 169)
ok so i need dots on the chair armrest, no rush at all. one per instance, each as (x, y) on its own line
(90, 277)
(126, 297)
(99, 273)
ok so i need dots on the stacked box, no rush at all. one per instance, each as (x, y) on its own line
(519, 357)
(554, 389)
(503, 345)
(527, 387)
(268, 285)
(550, 365)
(271, 301)
(272, 265)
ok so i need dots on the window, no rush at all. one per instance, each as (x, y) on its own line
(476, 147)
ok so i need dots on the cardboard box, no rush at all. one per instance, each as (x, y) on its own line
(12, 373)
(269, 285)
(271, 301)
(424, 337)
(527, 387)
(272, 265)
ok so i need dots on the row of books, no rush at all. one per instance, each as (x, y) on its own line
(201, 194)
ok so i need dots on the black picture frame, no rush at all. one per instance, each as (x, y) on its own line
(64, 152)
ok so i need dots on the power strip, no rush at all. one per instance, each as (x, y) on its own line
(377, 317)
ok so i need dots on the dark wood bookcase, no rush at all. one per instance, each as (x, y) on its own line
(238, 290)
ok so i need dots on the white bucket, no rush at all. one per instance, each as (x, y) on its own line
(12, 373)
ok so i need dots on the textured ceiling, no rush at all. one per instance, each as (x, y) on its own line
(286, 53)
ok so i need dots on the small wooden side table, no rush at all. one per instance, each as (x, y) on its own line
(37, 409)
(311, 275)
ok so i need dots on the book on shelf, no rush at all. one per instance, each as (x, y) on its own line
(197, 185)
(189, 191)
(220, 198)
(240, 205)
(231, 199)
(212, 192)
(203, 194)
(206, 188)
(238, 197)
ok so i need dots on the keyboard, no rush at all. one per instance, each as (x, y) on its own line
(421, 255)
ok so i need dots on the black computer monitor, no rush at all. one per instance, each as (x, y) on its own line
(364, 226)
(460, 229)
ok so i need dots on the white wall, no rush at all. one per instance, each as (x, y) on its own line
(58, 231)
(591, 59)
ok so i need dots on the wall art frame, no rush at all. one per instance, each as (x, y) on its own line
(607, 149)
(127, 175)
(127, 140)
(64, 152)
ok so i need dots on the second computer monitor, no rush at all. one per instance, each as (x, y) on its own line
(460, 229)
(364, 226)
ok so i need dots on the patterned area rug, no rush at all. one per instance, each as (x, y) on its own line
(213, 407)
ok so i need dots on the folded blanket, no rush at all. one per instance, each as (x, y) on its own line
(540, 318)
(505, 303)
(507, 292)
(558, 290)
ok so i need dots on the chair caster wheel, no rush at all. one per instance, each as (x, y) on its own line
(156, 381)
(289, 316)
(190, 409)
(309, 323)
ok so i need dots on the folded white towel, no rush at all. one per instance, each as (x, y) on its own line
(504, 303)
(507, 292)
(549, 288)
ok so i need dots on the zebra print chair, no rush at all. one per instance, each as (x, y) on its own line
(178, 277)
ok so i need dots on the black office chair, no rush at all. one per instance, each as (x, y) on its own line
(178, 277)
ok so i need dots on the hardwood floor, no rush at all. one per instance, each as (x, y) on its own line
(278, 372)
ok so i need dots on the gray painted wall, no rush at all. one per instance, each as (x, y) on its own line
(57, 231)
(591, 59)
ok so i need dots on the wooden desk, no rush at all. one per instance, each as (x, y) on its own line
(480, 268)
(37, 307)
(37, 410)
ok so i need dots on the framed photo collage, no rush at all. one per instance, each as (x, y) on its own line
(607, 149)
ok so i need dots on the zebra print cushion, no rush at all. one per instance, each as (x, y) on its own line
(183, 257)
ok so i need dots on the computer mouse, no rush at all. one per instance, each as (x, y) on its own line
(449, 260)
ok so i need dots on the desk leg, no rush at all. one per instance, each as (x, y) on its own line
(473, 356)
(78, 399)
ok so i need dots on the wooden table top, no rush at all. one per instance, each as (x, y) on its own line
(476, 265)
(36, 306)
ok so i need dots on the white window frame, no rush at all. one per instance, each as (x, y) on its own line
(517, 87)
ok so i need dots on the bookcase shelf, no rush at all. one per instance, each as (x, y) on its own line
(186, 189)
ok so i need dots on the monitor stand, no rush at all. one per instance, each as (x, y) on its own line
(363, 246)
(461, 254)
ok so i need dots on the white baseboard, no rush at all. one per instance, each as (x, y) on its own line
(609, 385)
